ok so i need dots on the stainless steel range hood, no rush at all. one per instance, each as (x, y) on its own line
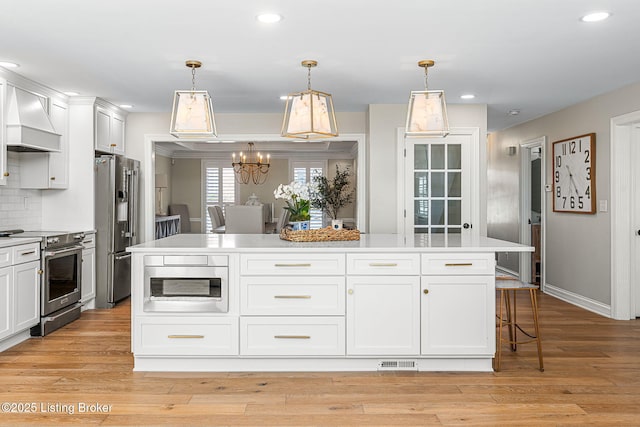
(28, 124)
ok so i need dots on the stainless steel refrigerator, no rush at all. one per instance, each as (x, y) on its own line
(116, 219)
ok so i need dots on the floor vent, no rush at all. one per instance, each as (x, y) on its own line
(397, 365)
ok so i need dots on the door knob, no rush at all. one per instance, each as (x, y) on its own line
(466, 225)
(638, 232)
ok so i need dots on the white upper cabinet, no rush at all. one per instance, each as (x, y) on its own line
(4, 173)
(109, 129)
(49, 170)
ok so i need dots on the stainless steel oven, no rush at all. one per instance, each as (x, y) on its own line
(61, 283)
(190, 283)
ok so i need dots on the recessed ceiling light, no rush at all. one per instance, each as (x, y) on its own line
(269, 18)
(8, 64)
(126, 106)
(467, 96)
(514, 112)
(71, 93)
(595, 17)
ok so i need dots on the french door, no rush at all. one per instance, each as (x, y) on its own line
(438, 174)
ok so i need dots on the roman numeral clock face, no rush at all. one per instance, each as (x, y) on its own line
(574, 174)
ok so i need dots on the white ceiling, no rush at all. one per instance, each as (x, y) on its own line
(531, 55)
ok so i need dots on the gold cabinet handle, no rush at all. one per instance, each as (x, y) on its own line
(40, 272)
(458, 264)
(426, 291)
(293, 265)
(292, 337)
(27, 253)
(185, 336)
(292, 296)
(383, 264)
(113, 145)
(53, 178)
(6, 174)
(350, 291)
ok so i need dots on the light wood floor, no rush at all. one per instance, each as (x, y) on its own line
(592, 377)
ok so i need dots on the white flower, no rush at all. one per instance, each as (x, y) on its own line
(294, 190)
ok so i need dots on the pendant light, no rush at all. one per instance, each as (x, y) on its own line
(251, 166)
(192, 114)
(309, 114)
(427, 113)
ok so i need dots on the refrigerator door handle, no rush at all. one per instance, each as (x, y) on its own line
(133, 205)
(125, 256)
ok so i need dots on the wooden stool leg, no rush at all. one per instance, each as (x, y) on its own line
(510, 318)
(534, 307)
(499, 333)
(514, 324)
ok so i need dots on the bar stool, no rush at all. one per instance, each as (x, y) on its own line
(509, 287)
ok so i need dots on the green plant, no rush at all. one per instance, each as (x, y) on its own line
(332, 195)
(296, 195)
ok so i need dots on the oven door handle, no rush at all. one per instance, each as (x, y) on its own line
(128, 255)
(63, 251)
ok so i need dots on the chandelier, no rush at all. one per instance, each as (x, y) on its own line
(251, 166)
(309, 114)
(192, 114)
(427, 113)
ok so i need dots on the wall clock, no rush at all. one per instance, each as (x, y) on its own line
(574, 174)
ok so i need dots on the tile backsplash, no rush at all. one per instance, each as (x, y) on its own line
(19, 208)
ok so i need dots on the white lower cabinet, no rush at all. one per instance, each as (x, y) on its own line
(88, 289)
(20, 290)
(26, 295)
(183, 336)
(383, 315)
(458, 315)
(6, 302)
(292, 336)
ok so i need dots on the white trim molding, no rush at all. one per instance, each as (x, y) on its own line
(621, 188)
(578, 300)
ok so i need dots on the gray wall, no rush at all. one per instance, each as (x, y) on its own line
(578, 246)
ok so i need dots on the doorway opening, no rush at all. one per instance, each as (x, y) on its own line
(532, 210)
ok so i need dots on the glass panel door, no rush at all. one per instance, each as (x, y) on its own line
(437, 185)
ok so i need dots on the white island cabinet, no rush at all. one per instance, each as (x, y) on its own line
(383, 302)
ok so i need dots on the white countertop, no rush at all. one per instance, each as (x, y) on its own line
(15, 241)
(187, 243)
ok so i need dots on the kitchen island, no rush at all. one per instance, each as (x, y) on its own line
(384, 302)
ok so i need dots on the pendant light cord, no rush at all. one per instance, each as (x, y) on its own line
(308, 77)
(426, 77)
(193, 79)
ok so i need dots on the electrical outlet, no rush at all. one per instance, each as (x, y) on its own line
(602, 206)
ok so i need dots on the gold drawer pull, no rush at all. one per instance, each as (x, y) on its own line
(459, 264)
(6, 174)
(383, 264)
(294, 265)
(185, 336)
(113, 145)
(292, 296)
(292, 337)
(27, 253)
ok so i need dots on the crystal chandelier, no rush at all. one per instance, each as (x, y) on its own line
(192, 114)
(427, 113)
(309, 114)
(251, 166)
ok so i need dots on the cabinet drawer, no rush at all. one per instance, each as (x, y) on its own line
(286, 295)
(294, 264)
(292, 336)
(381, 264)
(26, 253)
(186, 336)
(89, 241)
(5, 256)
(458, 264)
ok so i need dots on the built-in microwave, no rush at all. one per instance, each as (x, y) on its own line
(189, 284)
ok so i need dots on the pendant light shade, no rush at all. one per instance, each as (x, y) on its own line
(427, 112)
(192, 113)
(309, 114)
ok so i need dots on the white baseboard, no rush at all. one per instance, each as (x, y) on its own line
(578, 300)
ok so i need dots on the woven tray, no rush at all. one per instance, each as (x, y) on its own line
(326, 234)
